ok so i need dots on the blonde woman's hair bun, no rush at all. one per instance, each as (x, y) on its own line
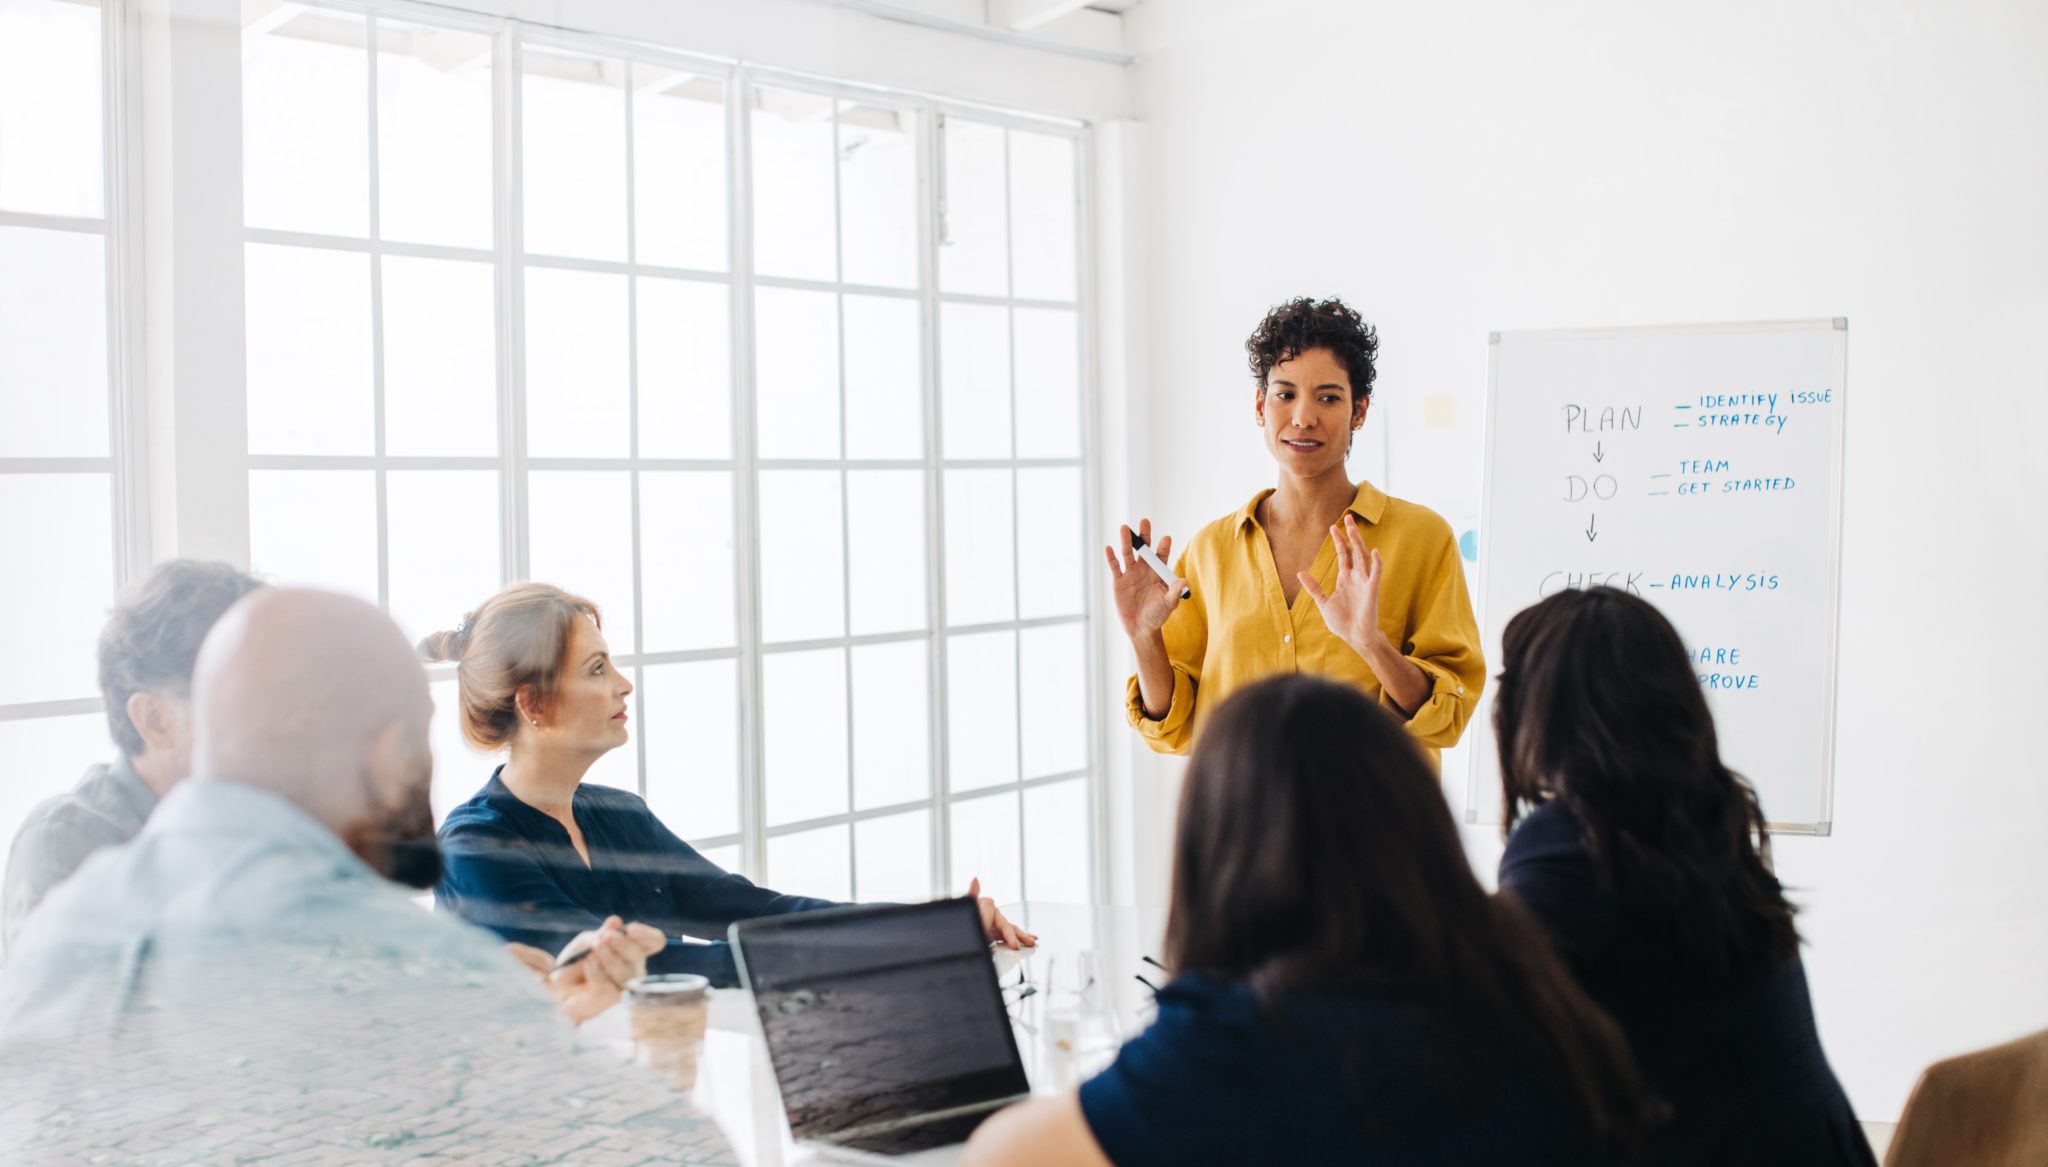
(448, 645)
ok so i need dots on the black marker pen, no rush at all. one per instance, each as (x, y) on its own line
(1144, 552)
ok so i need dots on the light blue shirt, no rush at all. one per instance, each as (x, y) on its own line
(235, 982)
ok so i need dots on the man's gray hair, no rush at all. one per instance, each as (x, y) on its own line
(154, 633)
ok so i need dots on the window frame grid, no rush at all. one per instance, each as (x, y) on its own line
(376, 248)
(748, 80)
(118, 226)
(514, 465)
(1085, 462)
(518, 37)
(510, 261)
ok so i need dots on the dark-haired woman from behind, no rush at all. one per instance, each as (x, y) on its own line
(1345, 990)
(1644, 858)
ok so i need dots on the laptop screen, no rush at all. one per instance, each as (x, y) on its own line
(874, 1014)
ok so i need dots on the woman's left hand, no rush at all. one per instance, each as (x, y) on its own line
(999, 929)
(1351, 608)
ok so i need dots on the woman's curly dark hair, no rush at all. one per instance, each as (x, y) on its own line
(1299, 325)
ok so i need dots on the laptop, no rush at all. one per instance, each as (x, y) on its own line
(885, 1025)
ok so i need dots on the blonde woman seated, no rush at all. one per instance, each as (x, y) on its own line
(538, 855)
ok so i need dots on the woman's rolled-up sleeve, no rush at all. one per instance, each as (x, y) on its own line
(1187, 638)
(1443, 641)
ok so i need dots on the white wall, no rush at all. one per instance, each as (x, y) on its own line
(1455, 169)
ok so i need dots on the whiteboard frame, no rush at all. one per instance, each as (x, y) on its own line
(1839, 325)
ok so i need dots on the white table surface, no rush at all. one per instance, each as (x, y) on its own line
(736, 1084)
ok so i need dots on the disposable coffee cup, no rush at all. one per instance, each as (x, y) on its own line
(667, 1016)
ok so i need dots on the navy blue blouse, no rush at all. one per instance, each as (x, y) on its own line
(1350, 1077)
(1740, 1061)
(511, 868)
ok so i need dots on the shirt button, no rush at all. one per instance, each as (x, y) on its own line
(1287, 639)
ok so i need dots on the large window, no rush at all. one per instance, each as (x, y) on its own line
(62, 470)
(1015, 525)
(372, 278)
(786, 376)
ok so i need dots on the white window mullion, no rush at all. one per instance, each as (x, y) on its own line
(1091, 491)
(37, 710)
(1016, 533)
(127, 413)
(510, 237)
(845, 492)
(195, 357)
(746, 485)
(633, 430)
(370, 25)
(931, 220)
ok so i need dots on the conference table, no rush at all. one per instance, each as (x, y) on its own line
(736, 1085)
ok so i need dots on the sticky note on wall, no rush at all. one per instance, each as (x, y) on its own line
(1439, 411)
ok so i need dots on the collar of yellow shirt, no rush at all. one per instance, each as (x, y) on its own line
(1368, 504)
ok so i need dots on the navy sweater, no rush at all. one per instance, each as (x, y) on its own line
(512, 869)
(1358, 1077)
(1739, 1061)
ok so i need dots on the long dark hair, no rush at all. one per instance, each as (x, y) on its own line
(1598, 707)
(1315, 852)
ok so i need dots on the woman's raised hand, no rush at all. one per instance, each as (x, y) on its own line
(1351, 608)
(1143, 601)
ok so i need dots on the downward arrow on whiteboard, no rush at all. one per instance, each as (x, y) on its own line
(1597, 455)
(1591, 534)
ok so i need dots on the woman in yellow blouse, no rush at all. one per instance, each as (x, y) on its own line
(1317, 575)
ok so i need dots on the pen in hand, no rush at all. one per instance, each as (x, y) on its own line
(1144, 552)
(567, 959)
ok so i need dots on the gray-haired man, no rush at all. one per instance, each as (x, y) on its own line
(146, 653)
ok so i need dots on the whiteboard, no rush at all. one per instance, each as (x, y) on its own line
(1699, 467)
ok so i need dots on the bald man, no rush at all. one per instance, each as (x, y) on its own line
(245, 977)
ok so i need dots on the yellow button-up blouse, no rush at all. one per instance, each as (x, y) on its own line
(1237, 627)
